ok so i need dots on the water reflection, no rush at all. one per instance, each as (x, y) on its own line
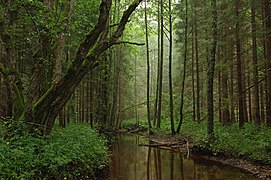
(133, 162)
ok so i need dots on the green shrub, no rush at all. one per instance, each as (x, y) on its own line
(71, 152)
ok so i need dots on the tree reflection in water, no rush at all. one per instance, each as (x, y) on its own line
(132, 162)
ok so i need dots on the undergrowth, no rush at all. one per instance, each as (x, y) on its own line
(75, 151)
(250, 142)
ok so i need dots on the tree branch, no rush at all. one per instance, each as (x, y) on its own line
(127, 42)
(253, 85)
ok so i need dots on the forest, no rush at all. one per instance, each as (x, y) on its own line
(195, 74)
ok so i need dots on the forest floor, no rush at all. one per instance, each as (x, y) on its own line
(184, 143)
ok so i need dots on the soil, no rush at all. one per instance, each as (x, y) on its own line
(184, 144)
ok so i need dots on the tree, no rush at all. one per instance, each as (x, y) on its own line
(255, 65)
(239, 66)
(159, 112)
(184, 65)
(197, 66)
(267, 22)
(44, 111)
(210, 71)
(148, 67)
(170, 70)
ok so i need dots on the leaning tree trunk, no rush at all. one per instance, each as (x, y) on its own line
(43, 113)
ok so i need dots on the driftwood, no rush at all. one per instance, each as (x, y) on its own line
(160, 145)
(135, 130)
(181, 146)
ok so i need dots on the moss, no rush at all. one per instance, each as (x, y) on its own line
(42, 99)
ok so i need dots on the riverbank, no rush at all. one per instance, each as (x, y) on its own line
(246, 149)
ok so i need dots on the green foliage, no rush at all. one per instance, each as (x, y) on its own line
(251, 142)
(130, 124)
(76, 151)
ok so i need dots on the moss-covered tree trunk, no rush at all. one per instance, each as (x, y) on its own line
(41, 116)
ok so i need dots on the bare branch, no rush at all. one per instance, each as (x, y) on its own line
(127, 42)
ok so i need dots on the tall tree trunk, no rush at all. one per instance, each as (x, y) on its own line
(239, 65)
(224, 84)
(148, 68)
(244, 84)
(193, 74)
(170, 70)
(219, 88)
(159, 113)
(210, 71)
(232, 99)
(184, 66)
(135, 91)
(158, 62)
(256, 104)
(267, 22)
(197, 68)
(225, 102)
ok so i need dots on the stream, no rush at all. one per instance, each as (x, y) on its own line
(132, 162)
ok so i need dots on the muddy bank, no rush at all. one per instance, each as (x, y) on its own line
(184, 143)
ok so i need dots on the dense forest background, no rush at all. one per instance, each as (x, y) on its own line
(161, 68)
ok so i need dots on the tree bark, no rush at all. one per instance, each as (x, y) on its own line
(159, 113)
(267, 22)
(170, 71)
(197, 69)
(43, 113)
(210, 72)
(158, 62)
(148, 68)
(256, 114)
(239, 65)
(184, 66)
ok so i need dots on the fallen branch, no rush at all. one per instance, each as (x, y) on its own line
(127, 42)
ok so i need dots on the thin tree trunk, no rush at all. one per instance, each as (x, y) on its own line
(210, 72)
(197, 69)
(148, 69)
(83, 101)
(159, 60)
(239, 65)
(184, 66)
(232, 99)
(219, 88)
(159, 113)
(170, 71)
(267, 22)
(249, 98)
(262, 116)
(135, 91)
(256, 104)
(224, 85)
(193, 75)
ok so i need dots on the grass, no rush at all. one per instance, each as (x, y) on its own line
(76, 151)
(250, 142)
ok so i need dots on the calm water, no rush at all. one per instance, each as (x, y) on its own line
(133, 162)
